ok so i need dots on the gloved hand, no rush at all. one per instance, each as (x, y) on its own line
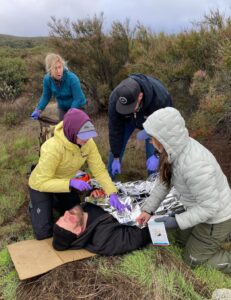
(169, 222)
(115, 202)
(80, 185)
(152, 163)
(116, 167)
(36, 114)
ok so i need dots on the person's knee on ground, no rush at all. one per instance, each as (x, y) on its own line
(41, 234)
(192, 260)
(219, 261)
(41, 214)
(42, 228)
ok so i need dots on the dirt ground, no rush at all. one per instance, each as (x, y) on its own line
(82, 280)
(221, 148)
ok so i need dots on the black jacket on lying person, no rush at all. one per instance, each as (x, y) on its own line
(104, 235)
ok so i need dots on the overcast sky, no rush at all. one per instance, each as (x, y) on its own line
(30, 17)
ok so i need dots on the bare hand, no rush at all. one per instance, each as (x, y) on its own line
(98, 193)
(143, 218)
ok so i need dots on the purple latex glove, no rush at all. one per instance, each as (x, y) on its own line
(116, 167)
(169, 222)
(36, 114)
(152, 163)
(115, 202)
(80, 185)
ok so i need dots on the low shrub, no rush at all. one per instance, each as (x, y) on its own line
(12, 77)
(211, 108)
(13, 113)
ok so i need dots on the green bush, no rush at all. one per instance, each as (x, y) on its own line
(9, 119)
(12, 77)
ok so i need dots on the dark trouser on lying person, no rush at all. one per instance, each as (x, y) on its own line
(89, 226)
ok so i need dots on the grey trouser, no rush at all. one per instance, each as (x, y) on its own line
(203, 246)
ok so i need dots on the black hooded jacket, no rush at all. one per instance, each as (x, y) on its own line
(155, 97)
(104, 235)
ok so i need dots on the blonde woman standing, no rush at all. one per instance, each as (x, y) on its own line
(62, 84)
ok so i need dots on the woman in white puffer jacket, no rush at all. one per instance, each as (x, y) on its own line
(204, 189)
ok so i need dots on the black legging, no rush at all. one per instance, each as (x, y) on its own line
(41, 210)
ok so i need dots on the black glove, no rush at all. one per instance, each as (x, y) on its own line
(169, 222)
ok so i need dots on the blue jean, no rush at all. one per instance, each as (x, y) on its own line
(128, 130)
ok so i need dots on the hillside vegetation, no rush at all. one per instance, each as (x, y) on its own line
(194, 65)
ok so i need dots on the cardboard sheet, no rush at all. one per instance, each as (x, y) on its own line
(32, 257)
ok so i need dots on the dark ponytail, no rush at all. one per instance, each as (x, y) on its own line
(165, 169)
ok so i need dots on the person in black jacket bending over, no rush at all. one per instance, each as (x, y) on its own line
(88, 226)
(130, 103)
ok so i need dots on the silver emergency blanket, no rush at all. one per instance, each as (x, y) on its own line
(133, 194)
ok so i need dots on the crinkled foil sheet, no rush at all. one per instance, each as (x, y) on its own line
(133, 194)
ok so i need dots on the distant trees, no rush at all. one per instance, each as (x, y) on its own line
(99, 58)
(103, 59)
(195, 65)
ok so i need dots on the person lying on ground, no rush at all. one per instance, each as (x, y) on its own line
(204, 190)
(52, 183)
(88, 226)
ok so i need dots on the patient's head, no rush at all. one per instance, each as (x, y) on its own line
(72, 220)
(69, 226)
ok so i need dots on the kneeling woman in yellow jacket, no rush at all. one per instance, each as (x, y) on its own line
(52, 183)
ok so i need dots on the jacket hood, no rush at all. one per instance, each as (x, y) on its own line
(168, 127)
(73, 120)
(59, 135)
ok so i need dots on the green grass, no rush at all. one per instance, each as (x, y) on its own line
(174, 285)
(12, 195)
(4, 156)
(166, 283)
(15, 232)
(139, 265)
(213, 278)
(7, 211)
(15, 159)
(9, 278)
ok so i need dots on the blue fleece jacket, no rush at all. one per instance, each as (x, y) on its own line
(68, 92)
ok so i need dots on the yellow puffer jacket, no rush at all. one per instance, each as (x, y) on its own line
(60, 160)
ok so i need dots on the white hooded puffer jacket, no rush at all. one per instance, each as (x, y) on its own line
(196, 174)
